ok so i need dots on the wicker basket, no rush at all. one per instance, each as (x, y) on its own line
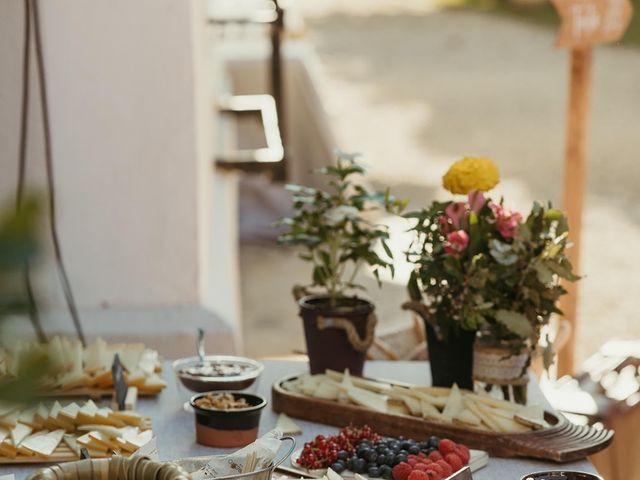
(499, 366)
(114, 468)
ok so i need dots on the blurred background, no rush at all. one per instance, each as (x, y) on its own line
(175, 124)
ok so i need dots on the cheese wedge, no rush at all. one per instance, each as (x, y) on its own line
(138, 439)
(327, 390)
(69, 413)
(486, 418)
(413, 404)
(87, 413)
(368, 399)
(467, 417)
(4, 433)
(91, 443)
(128, 417)
(454, 404)
(372, 385)
(107, 430)
(287, 426)
(19, 433)
(72, 443)
(8, 450)
(9, 420)
(429, 411)
(43, 445)
(56, 421)
(41, 416)
(332, 475)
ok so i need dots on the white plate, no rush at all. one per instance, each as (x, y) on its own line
(478, 459)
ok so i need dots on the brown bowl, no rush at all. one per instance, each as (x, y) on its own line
(207, 381)
(228, 428)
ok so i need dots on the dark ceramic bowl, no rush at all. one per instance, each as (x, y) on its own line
(203, 382)
(561, 475)
(228, 428)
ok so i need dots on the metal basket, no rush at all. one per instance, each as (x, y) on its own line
(195, 463)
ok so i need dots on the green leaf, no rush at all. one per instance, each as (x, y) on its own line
(515, 322)
(545, 275)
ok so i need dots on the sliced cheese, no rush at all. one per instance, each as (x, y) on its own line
(368, 399)
(454, 404)
(87, 413)
(327, 390)
(128, 417)
(467, 417)
(19, 433)
(72, 443)
(43, 445)
(287, 426)
(107, 430)
(429, 411)
(9, 420)
(70, 413)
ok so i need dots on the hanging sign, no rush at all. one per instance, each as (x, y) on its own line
(588, 22)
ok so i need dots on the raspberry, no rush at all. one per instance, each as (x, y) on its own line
(433, 475)
(412, 462)
(401, 471)
(418, 475)
(447, 446)
(463, 453)
(435, 456)
(454, 460)
(446, 468)
(421, 455)
(420, 466)
(437, 468)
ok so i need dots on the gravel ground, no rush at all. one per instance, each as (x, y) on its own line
(414, 88)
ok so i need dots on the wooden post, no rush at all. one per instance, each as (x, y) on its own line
(575, 170)
(584, 23)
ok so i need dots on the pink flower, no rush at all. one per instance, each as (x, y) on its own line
(476, 200)
(456, 243)
(443, 224)
(507, 222)
(456, 211)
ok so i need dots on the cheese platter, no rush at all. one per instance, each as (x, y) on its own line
(76, 371)
(57, 433)
(501, 428)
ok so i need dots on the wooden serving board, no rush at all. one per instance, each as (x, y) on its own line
(563, 441)
(62, 453)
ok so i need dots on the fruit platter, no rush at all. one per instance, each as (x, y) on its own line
(499, 427)
(360, 452)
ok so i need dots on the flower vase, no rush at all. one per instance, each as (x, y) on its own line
(500, 364)
(451, 359)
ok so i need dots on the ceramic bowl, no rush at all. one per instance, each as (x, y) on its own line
(561, 475)
(228, 428)
(197, 379)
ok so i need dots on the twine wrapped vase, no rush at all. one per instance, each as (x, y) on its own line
(497, 365)
(114, 468)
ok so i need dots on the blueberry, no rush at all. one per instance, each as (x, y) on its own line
(390, 461)
(338, 467)
(414, 449)
(403, 452)
(434, 442)
(405, 445)
(389, 452)
(382, 459)
(399, 459)
(380, 448)
(370, 456)
(363, 451)
(359, 465)
(385, 471)
(343, 455)
(373, 472)
(423, 445)
(351, 462)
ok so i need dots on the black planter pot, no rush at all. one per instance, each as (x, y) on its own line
(328, 346)
(451, 361)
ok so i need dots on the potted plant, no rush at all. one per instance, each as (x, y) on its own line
(338, 239)
(488, 276)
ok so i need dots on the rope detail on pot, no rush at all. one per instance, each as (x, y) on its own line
(359, 344)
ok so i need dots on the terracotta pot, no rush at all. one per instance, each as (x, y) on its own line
(337, 337)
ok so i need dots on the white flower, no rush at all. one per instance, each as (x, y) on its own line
(341, 213)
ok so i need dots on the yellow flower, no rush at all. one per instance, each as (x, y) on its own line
(471, 173)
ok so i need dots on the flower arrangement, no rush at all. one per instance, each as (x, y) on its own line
(332, 228)
(482, 267)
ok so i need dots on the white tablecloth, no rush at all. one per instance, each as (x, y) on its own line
(175, 428)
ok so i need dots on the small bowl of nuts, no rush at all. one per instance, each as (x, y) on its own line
(227, 419)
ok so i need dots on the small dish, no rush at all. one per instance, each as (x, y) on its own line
(228, 428)
(561, 475)
(217, 372)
